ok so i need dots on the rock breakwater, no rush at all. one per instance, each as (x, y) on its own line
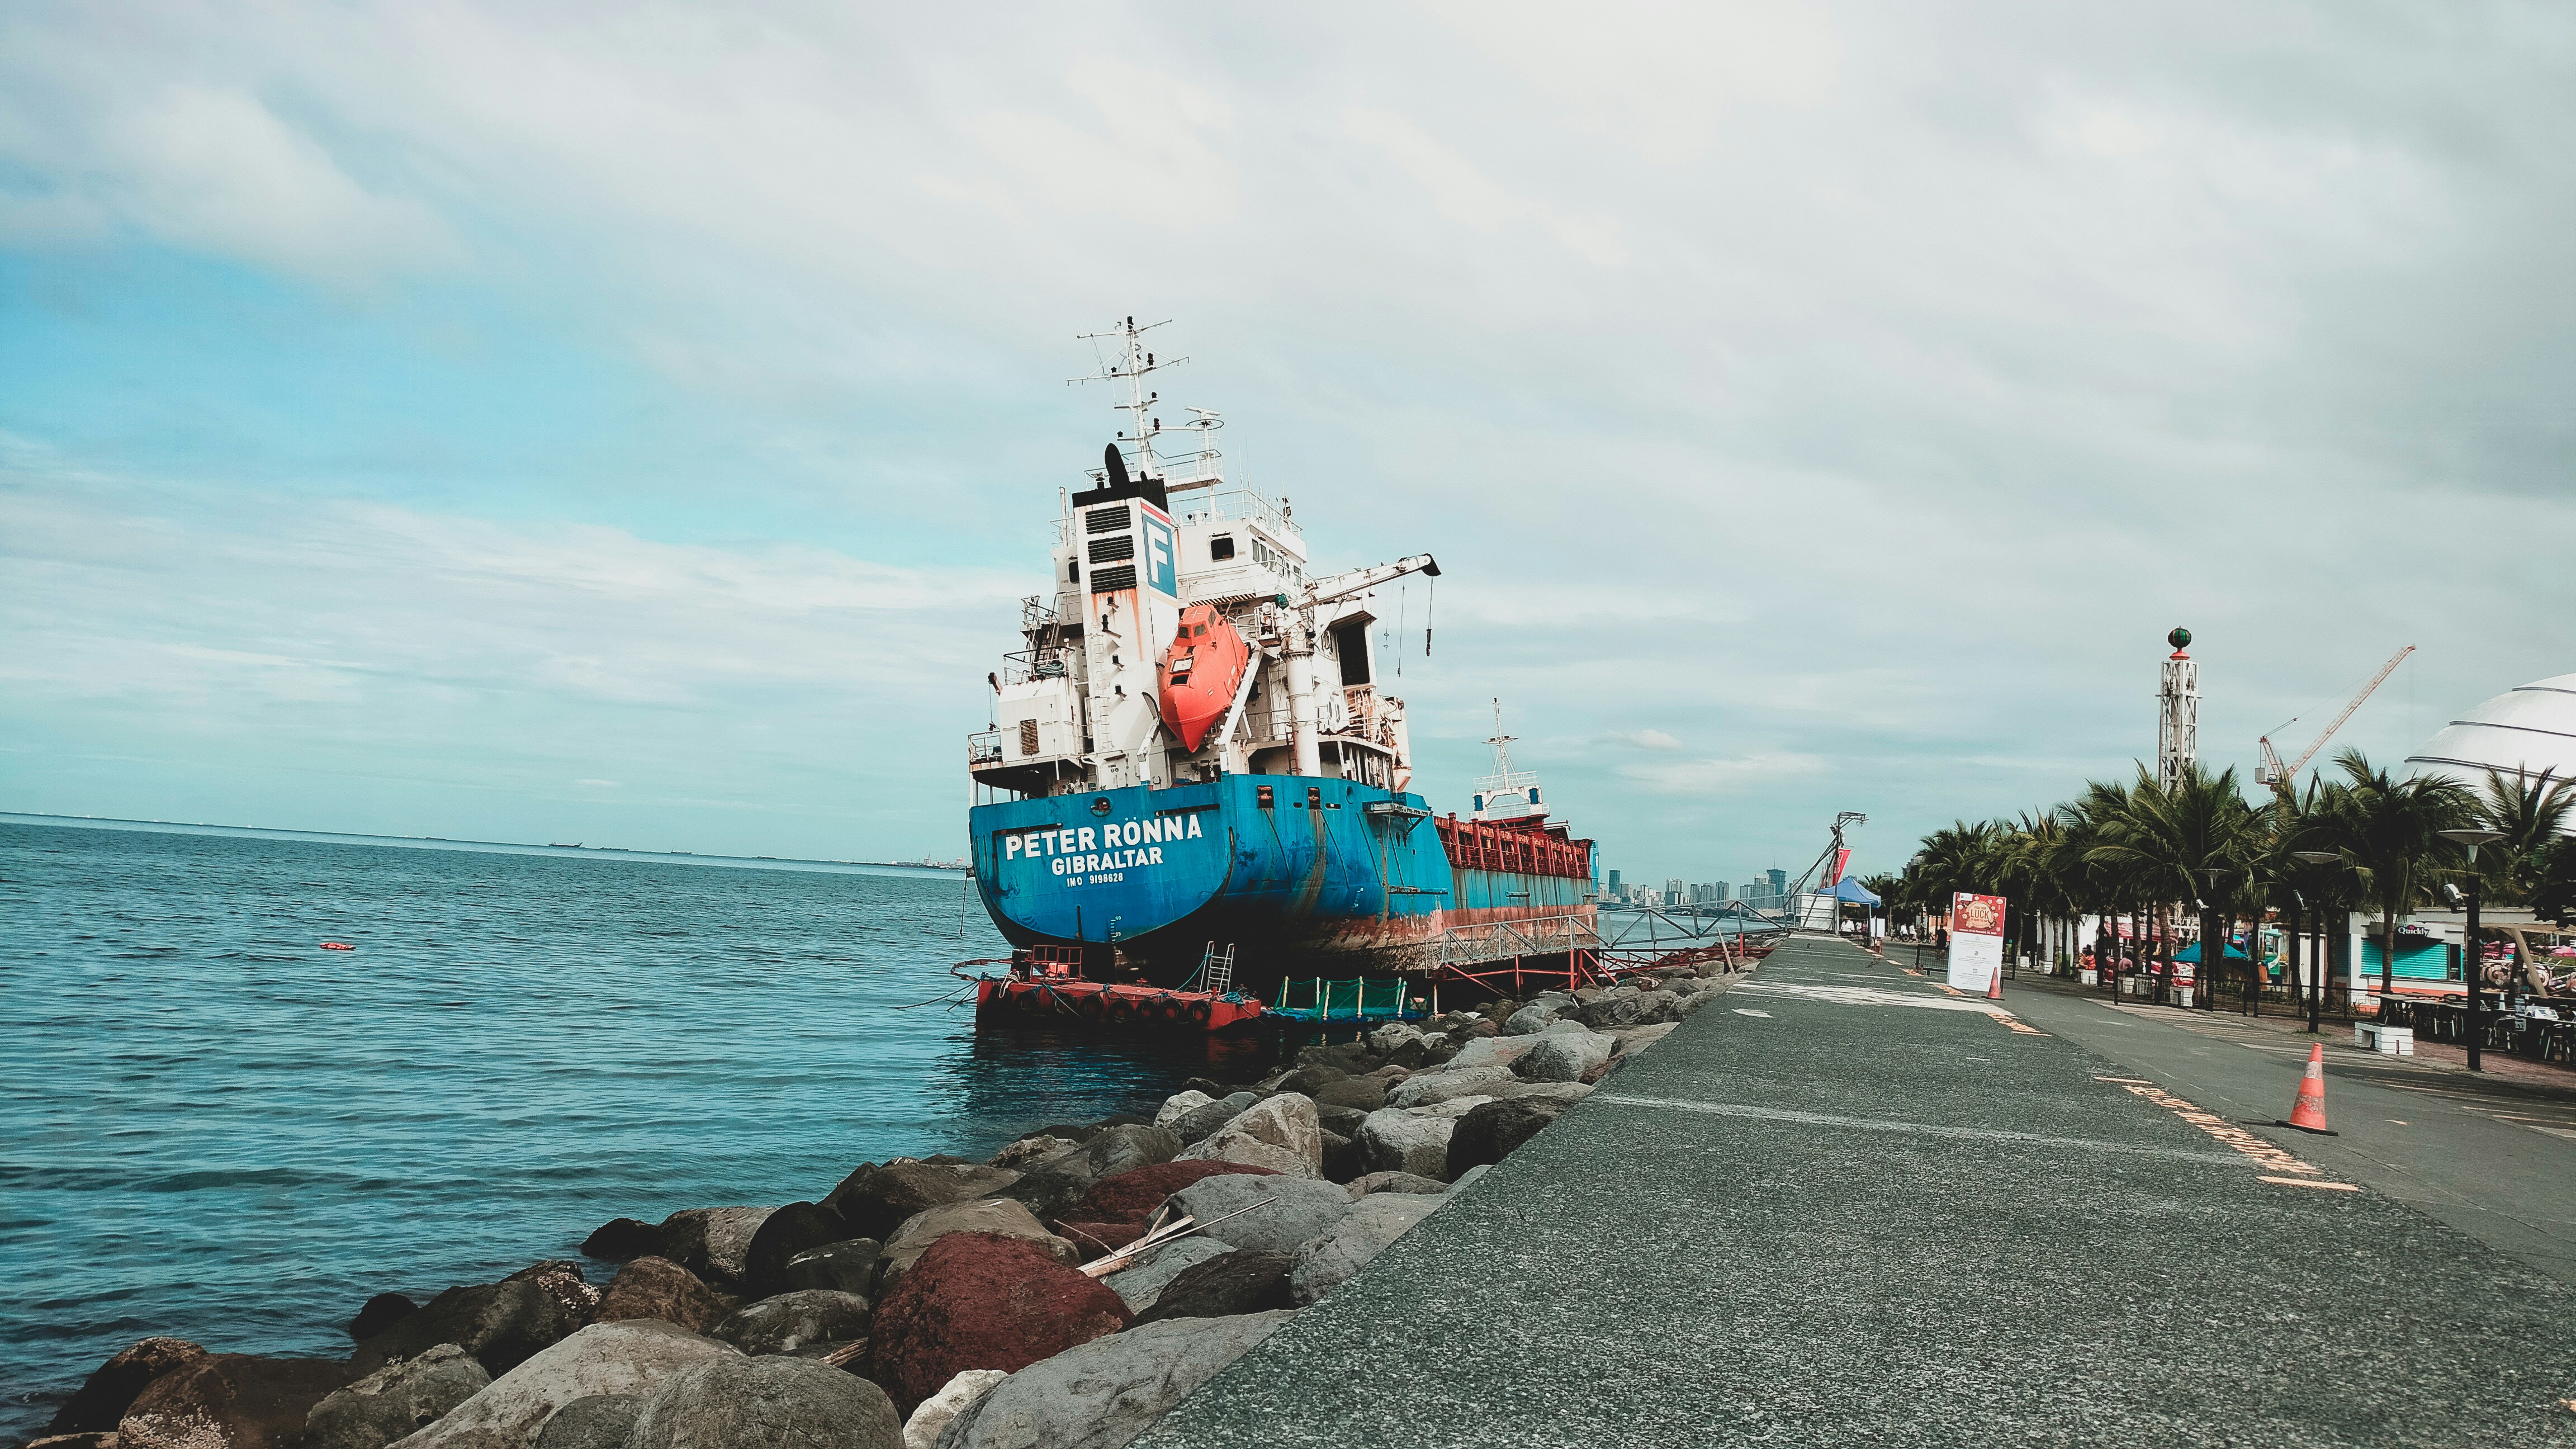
(1036, 1300)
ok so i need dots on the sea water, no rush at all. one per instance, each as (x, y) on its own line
(212, 1128)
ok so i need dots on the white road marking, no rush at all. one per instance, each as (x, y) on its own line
(1915, 1129)
(1749, 1011)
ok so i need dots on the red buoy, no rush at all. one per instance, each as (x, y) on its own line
(338, 946)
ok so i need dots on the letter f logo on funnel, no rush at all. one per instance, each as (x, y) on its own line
(1159, 555)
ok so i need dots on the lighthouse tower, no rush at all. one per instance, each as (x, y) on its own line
(2177, 713)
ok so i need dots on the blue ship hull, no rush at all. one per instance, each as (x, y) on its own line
(1326, 869)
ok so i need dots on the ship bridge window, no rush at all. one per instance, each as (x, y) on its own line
(1221, 546)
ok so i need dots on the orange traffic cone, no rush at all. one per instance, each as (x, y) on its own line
(2308, 1114)
(1995, 989)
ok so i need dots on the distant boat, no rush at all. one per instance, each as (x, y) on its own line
(559, 845)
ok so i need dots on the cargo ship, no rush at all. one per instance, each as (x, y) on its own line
(1194, 757)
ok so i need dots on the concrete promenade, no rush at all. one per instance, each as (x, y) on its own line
(1842, 1206)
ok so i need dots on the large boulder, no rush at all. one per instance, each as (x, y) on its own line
(1564, 1094)
(1613, 1011)
(1365, 1093)
(1530, 1019)
(849, 1266)
(1394, 1182)
(1199, 1121)
(1053, 1187)
(1276, 1213)
(629, 1357)
(1638, 1038)
(1178, 1105)
(1384, 1040)
(1105, 1393)
(1305, 1080)
(601, 1421)
(763, 1403)
(1431, 1088)
(799, 1227)
(562, 1280)
(619, 1239)
(1563, 1056)
(230, 1401)
(379, 1313)
(1394, 1140)
(791, 1321)
(395, 1401)
(499, 1323)
(101, 1400)
(979, 1300)
(714, 1243)
(874, 1201)
(992, 1217)
(922, 1430)
(1140, 1286)
(1497, 1129)
(1132, 1196)
(1326, 1261)
(1246, 1281)
(1281, 1133)
(1027, 1152)
(1490, 1051)
(650, 1288)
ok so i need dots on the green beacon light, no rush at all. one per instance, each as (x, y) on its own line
(2180, 639)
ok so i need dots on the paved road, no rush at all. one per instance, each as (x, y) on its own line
(2493, 1157)
(1843, 1207)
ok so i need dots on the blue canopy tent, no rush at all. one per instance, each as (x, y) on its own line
(1855, 893)
(2191, 953)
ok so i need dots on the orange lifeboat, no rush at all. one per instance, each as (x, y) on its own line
(1201, 672)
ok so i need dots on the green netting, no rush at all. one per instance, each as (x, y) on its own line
(1346, 1000)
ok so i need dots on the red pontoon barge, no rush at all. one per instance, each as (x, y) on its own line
(1045, 984)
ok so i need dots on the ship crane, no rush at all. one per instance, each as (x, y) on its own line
(2272, 772)
(1360, 581)
(1299, 654)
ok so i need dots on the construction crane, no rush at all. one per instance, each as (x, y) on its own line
(2272, 772)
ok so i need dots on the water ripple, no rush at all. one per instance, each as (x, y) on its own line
(217, 1130)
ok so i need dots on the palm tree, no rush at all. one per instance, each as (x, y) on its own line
(2389, 830)
(2190, 842)
(2529, 811)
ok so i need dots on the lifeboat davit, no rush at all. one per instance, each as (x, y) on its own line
(1201, 672)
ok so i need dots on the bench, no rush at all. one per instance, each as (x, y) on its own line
(2388, 1041)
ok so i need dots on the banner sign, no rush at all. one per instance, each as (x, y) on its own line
(1834, 877)
(1976, 941)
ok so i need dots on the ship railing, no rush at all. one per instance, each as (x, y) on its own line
(1221, 504)
(1022, 665)
(1504, 940)
(983, 749)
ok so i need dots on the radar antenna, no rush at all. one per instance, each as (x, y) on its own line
(1134, 364)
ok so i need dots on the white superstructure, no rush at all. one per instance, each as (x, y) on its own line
(1078, 707)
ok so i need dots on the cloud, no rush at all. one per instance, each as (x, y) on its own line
(1647, 739)
(1860, 384)
(1723, 776)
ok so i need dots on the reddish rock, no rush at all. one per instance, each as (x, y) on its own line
(1132, 1196)
(984, 1301)
(102, 1401)
(1095, 1239)
(230, 1401)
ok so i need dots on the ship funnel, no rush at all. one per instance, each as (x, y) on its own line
(1116, 462)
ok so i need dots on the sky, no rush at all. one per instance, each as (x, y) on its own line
(636, 424)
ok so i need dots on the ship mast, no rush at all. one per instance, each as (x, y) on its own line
(1134, 364)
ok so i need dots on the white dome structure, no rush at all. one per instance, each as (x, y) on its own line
(2532, 729)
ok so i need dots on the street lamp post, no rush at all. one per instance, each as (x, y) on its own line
(2317, 986)
(2296, 908)
(2472, 956)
